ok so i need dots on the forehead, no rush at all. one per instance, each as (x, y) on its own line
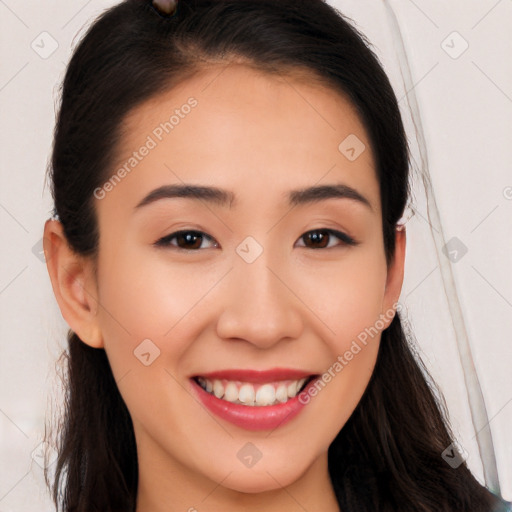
(242, 129)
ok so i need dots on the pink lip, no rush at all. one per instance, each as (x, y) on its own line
(253, 417)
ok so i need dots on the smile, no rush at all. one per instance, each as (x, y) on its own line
(247, 393)
(252, 399)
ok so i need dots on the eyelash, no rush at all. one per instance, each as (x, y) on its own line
(343, 237)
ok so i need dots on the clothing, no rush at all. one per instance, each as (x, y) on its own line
(505, 506)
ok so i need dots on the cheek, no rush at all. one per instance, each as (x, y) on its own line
(148, 324)
(348, 299)
(348, 296)
(144, 297)
(139, 302)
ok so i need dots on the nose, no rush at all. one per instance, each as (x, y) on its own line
(260, 304)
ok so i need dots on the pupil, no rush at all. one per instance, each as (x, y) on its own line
(189, 239)
(317, 237)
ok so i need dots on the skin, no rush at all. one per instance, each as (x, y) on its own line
(258, 136)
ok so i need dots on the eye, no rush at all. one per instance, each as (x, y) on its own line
(321, 238)
(186, 239)
(193, 239)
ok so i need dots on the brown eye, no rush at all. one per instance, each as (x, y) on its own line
(188, 240)
(321, 238)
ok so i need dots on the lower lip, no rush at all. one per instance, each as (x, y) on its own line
(251, 417)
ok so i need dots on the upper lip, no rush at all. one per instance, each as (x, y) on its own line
(257, 376)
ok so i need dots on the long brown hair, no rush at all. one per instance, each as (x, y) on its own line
(387, 457)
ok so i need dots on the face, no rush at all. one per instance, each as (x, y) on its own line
(247, 291)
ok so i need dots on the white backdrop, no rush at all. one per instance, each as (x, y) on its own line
(450, 65)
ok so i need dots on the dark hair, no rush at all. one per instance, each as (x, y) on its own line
(387, 457)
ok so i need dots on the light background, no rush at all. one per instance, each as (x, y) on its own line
(464, 98)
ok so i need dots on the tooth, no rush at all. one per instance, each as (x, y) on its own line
(292, 389)
(231, 392)
(281, 393)
(265, 395)
(246, 394)
(268, 394)
(218, 388)
(301, 383)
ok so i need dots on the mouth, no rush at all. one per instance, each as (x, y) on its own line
(253, 394)
(252, 399)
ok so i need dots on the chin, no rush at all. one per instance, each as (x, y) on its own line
(254, 481)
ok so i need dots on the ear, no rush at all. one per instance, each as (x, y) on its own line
(395, 277)
(73, 283)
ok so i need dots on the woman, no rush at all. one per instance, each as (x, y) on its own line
(228, 179)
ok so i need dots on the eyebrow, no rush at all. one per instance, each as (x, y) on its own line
(223, 197)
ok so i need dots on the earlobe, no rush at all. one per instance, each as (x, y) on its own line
(395, 275)
(73, 284)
